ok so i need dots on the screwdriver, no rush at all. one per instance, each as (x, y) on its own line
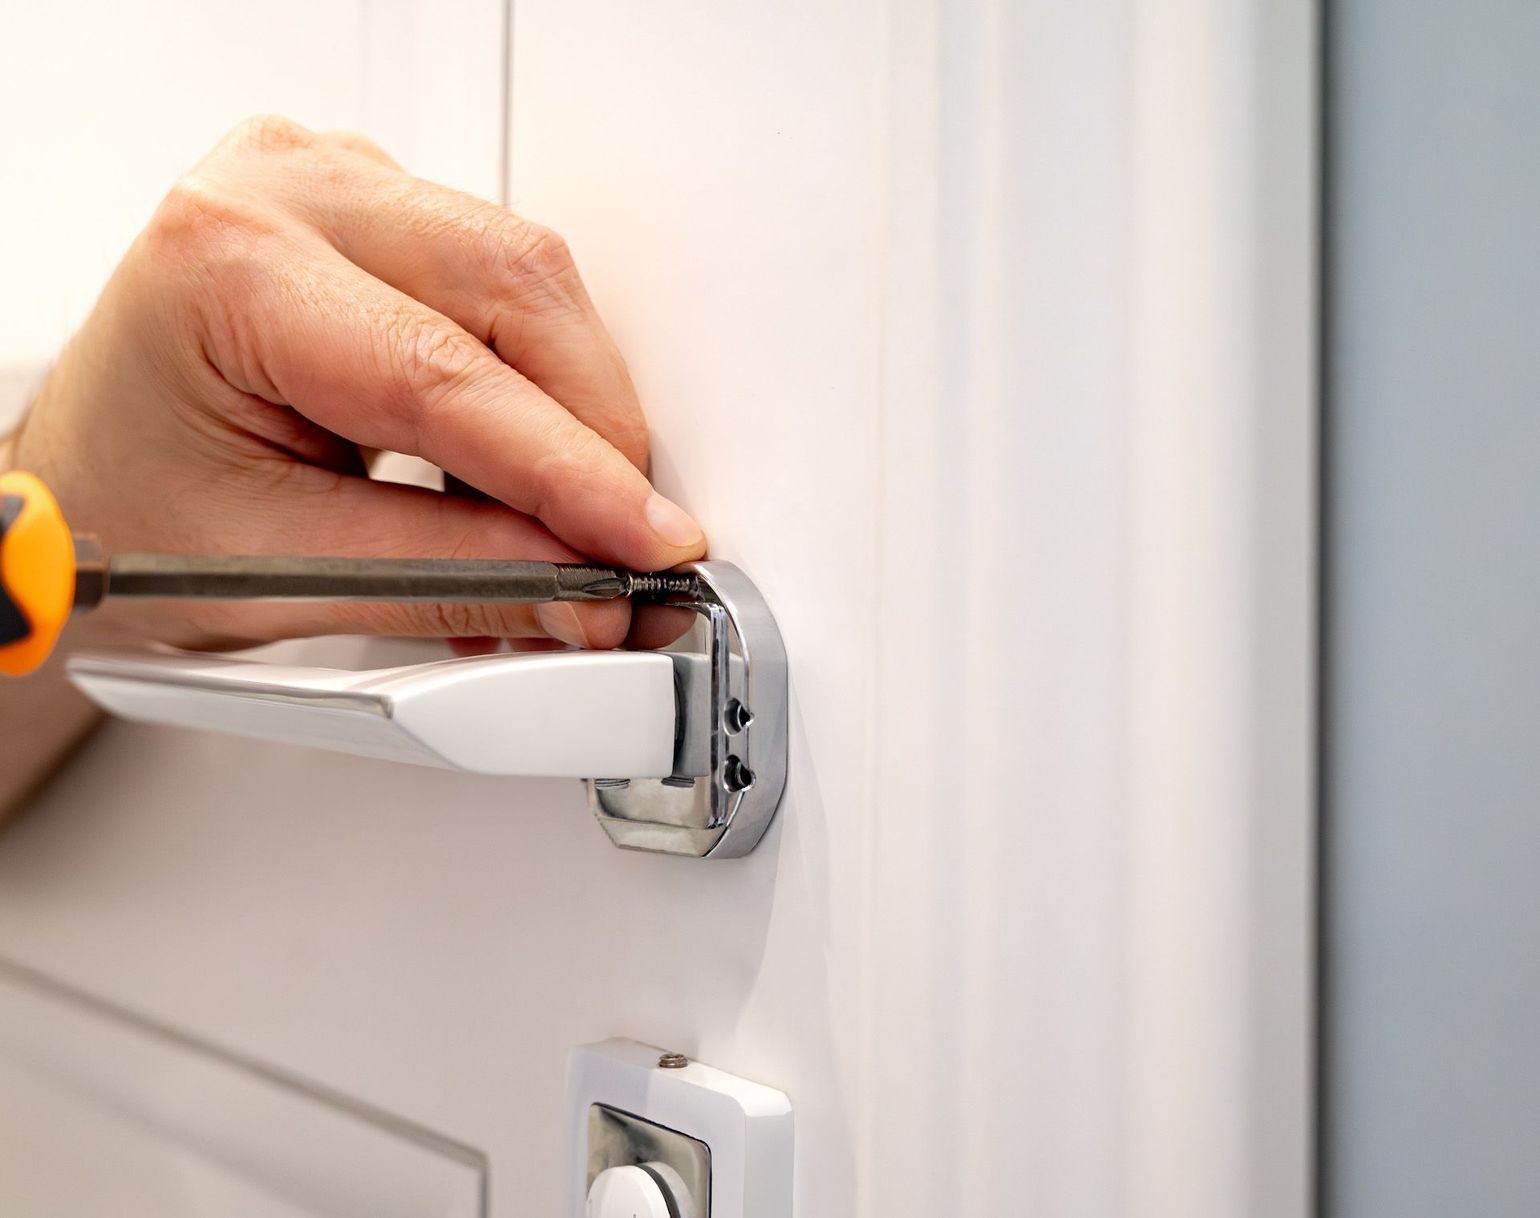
(46, 572)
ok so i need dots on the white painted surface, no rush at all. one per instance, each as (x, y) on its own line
(979, 335)
(583, 714)
(104, 1114)
(107, 104)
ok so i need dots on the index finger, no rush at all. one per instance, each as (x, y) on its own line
(509, 282)
(370, 363)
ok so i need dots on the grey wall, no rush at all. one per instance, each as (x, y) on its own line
(1432, 829)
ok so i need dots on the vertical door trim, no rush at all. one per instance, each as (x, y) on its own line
(1090, 842)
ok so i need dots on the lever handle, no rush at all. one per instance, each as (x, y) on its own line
(685, 750)
(578, 714)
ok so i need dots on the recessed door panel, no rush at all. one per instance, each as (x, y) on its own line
(107, 1112)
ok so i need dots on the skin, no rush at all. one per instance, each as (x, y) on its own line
(297, 303)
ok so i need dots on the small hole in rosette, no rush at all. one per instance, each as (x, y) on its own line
(736, 716)
(736, 776)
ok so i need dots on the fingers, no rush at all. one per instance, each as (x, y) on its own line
(373, 315)
(361, 144)
(510, 283)
(654, 626)
(480, 645)
(319, 513)
(305, 327)
(506, 281)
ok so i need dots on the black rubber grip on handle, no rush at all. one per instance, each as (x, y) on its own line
(14, 624)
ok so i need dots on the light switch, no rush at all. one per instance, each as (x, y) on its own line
(632, 1192)
(649, 1126)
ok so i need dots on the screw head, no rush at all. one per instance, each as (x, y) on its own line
(673, 1061)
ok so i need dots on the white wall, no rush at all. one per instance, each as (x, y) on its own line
(107, 104)
(979, 335)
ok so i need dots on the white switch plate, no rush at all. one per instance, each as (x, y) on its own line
(747, 1126)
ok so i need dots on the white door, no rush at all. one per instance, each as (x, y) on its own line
(979, 335)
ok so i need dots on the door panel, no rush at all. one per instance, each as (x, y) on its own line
(105, 1112)
(952, 326)
(434, 944)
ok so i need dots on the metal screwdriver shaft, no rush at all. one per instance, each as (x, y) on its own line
(402, 580)
(47, 571)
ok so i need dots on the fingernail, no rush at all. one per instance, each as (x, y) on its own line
(561, 622)
(672, 523)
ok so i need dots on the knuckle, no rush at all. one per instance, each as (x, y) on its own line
(545, 257)
(431, 363)
(546, 253)
(196, 216)
(573, 462)
(534, 262)
(436, 357)
(204, 250)
(355, 141)
(523, 264)
(271, 133)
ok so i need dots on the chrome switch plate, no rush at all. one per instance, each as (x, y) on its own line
(626, 1108)
(621, 1139)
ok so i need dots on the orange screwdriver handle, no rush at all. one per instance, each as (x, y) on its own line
(37, 573)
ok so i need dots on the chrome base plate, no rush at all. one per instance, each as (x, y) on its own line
(730, 756)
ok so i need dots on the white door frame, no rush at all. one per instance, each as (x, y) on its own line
(1092, 816)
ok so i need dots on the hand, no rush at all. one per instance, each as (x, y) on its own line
(297, 300)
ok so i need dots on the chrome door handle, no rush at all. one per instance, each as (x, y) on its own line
(684, 750)
(566, 714)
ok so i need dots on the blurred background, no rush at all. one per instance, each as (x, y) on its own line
(108, 104)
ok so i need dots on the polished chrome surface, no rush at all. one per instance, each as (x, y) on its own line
(618, 1139)
(730, 757)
